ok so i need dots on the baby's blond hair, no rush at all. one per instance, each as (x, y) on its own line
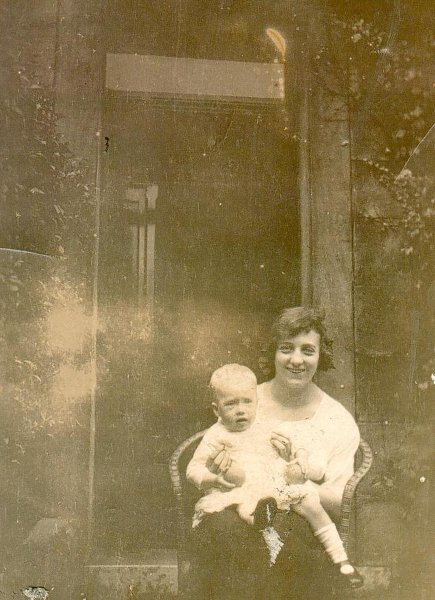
(229, 375)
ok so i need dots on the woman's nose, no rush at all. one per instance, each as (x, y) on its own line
(296, 358)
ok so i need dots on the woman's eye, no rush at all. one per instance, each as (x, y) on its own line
(309, 351)
(285, 349)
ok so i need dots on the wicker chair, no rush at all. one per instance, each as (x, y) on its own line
(180, 489)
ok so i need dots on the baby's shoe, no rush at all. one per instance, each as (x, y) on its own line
(265, 512)
(349, 576)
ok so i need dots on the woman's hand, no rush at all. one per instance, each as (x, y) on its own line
(282, 445)
(219, 460)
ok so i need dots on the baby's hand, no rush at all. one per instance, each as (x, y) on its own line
(213, 480)
(301, 459)
(235, 475)
(293, 474)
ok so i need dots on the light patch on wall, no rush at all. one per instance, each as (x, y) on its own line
(71, 384)
(67, 327)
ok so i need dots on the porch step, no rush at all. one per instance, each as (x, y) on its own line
(153, 576)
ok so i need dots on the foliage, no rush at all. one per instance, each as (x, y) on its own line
(45, 195)
(391, 86)
(43, 188)
(392, 101)
(47, 209)
(416, 197)
(403, 475)
(392, 104)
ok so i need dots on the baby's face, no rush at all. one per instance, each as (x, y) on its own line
(236, 407)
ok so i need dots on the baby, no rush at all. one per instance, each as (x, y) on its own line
(251, 475)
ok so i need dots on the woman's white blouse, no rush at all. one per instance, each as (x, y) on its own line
(339, 438)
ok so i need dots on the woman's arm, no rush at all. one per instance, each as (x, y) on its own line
(340, 467)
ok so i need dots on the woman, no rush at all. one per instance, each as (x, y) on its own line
(233, 553)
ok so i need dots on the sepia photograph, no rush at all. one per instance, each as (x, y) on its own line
(217, 275)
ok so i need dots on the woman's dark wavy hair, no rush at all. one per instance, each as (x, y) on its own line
(292, 322)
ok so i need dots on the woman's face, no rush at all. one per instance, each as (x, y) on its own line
(296, 359)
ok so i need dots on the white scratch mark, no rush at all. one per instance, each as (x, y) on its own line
(273, 542)
(35, 593)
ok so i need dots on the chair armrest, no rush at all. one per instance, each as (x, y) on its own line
(177, 487)
(175, 459)
(349, 491)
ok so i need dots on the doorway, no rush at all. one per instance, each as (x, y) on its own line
(200, 249)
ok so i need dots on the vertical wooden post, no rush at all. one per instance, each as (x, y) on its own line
(332, 219)
(325, 191)
(303, 109)
(297, 107)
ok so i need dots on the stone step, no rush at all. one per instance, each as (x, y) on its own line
(153, 576)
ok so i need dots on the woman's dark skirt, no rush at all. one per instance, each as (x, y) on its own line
(230, 561)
